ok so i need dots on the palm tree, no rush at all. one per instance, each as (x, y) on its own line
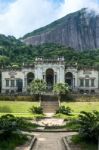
(60, 88)
(37, 87)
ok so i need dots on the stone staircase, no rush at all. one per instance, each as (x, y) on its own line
(49, 104)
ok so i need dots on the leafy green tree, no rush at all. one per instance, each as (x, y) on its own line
(37, 87)
(60, 88)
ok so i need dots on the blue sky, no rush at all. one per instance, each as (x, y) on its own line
(18, 17)
(4, 5)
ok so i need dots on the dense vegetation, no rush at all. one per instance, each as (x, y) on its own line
(11, 134)
(89, 125)
(14, 53)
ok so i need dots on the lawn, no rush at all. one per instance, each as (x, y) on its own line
(19, 109)
(82, 106)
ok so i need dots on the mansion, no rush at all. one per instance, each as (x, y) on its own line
(52, 71)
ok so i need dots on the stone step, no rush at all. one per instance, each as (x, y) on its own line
(49, 106)
(50, 109)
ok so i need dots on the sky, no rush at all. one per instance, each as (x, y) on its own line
(18, 17)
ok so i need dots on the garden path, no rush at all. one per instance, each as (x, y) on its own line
(50, 141)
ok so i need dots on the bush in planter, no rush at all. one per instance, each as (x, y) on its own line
(89, 125)
(36, 110)
(64, 110)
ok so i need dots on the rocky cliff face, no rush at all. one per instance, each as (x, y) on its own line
(79, 30)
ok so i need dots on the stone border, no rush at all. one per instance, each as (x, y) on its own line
(53, 130)
(66, 143)
(30, 145)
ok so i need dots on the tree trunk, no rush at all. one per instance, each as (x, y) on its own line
(40, 98)
(59, 97)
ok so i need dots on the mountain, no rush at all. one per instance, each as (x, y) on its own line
(78, 30)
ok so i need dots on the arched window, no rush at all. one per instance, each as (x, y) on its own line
(30, 77)
(69, 78)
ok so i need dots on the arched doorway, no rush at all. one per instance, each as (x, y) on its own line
(50, 78)
(69, 79)
(30, 77)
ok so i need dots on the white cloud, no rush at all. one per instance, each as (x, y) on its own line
(74, 5)
(24, 16)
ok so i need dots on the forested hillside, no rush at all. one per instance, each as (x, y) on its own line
(14, 53)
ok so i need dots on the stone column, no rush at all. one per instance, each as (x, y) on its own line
(25, 84)
(55, 78)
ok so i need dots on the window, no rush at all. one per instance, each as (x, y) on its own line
(43, 77)
(92, 91)
(19, 84)
(7, 91)
(12, 83)
(86, 82)
(12, 91)
(92, 82)
(81, 82)
(7, 83)
(87, 91)
(81, 91)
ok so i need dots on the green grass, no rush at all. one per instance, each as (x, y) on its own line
(72, 125)
(18, 109)
(21, 109)
(82, 106)
(83, 144)
(10, 143)
(76, 108)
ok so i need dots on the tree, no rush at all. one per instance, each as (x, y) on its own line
(37, 87)
(60, 88)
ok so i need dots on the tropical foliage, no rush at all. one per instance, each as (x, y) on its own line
(36, 110)
(10, 124)
(89, 125)
(64, 110)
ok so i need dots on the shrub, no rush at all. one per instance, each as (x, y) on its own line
(89, 125)
(10, 124)
(64, 110)
(36, 110)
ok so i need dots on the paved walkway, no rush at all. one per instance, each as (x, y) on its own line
(50, 141)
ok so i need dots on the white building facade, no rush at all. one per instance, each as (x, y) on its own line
(52, 72)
